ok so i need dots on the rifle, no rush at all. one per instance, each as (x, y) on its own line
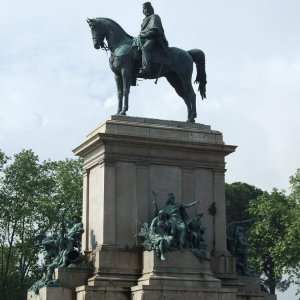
(155, 203)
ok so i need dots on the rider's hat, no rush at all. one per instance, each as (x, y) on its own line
(147, 4)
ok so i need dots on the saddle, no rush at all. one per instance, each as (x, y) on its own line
(158, 57)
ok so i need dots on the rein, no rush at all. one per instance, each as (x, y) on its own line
(106, 48)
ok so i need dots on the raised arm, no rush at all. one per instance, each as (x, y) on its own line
(191, 204)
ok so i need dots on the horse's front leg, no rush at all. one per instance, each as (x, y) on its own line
(126, 90)
(119, 83)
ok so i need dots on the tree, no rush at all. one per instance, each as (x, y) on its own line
(267, 238)
(273, 235)
(31, 195)
(292, 237)
(238, 195)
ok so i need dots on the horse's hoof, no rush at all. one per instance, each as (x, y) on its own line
(122, 113)
(190, 121)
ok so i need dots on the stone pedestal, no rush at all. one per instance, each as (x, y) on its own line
(127, 158)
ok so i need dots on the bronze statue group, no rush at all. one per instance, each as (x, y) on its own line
(172, 229)
(61, 250)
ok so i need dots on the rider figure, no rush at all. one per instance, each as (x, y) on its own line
(152, 33)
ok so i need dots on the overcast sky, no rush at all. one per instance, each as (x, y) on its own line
(55, 87)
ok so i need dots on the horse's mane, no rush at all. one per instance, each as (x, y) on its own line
(116, 24)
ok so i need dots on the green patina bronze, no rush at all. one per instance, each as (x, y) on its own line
(148, 56)
(172, 229)
(237, 245)
(62, 250)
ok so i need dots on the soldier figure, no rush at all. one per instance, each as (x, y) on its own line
(152, 34)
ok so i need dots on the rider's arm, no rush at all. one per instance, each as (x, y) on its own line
(149, 34)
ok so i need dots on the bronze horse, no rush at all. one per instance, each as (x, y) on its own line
(178, 71)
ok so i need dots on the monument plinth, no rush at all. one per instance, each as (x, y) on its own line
(125, 159)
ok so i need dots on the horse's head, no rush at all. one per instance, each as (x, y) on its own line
(98, 32)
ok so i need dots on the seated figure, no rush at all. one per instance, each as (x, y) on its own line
(151, 35)
(160, 234)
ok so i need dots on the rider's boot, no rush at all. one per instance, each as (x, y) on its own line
(146, 61)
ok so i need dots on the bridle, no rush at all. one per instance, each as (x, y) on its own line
(97, 37)
(98, 40)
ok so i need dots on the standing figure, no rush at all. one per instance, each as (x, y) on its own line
(196, 231)
(178, 219)
(237, 244)
(152, 34)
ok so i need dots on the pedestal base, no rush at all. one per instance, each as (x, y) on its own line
(51, 293)
(181, 268)
(181, 276)
(248, 287)
(179, 293)
(102, 293)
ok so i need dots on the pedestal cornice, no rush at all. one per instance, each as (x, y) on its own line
(137, 136)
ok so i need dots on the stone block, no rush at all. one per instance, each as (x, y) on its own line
(179, 293)
(102, 293)
(248, 287)
(270, 297)
(114, 266)
(51, 293)
(250, 296)
(181, 268)
(224, 266)
(73, 276)
(251, 283)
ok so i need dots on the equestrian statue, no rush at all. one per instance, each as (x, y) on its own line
(149, 56)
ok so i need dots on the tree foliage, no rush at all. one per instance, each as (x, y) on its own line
(238, 195)
(273, 236)
(292, 237)
(268, 249)
(31, 195)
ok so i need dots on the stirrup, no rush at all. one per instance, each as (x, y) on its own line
(143, 73)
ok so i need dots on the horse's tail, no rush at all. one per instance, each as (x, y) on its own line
(199, 59)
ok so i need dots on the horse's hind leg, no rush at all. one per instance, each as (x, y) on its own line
(178, 86)
(191, 96)
(119, 83)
